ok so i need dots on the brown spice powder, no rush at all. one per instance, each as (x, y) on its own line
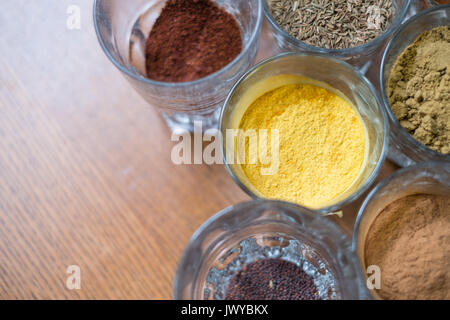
(410, 242)
(190, 40)
(419, 89)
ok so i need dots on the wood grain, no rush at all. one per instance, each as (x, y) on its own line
(85, 171)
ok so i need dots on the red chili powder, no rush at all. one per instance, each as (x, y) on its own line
(190, 40)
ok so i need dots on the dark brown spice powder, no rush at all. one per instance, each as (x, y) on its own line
(272, 279)
(190, 40)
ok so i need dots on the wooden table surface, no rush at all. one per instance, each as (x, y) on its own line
(85, 172)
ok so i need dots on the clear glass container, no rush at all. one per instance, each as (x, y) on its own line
(122, 28)
(427, 178)
(335, 75)
(361, 56)
(267, 230)
(404, 150)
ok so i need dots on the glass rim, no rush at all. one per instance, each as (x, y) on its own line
(141, 78)
(405, 134)
(342, 52)
(251, 204)
(384, 150)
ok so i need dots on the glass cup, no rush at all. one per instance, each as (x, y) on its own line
(122, 28)
(334, 73)
(361, 56)
(428, 178)
(266, 229)
(404, 150)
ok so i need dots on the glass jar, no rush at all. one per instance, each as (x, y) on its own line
(266, 229)
(361, 56)
(122, 28)
(334, 74)
(404, 150)
(424, 178)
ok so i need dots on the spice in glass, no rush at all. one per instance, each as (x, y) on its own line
(419, 89)
(333, 24)
(191, 40)
(410, 242)
(322, 142)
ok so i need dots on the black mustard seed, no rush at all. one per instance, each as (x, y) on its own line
(272, 279)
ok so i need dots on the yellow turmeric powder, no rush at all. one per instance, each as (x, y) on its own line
(321, 144)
